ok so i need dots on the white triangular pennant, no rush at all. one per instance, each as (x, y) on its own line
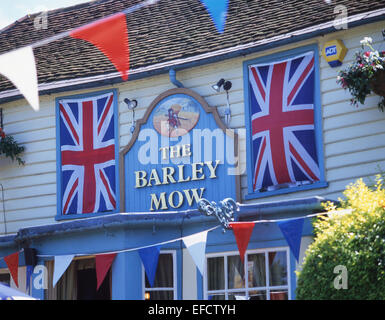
(196, 246)
(60, 266)
(20, 68)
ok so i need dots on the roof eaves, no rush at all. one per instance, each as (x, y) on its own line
(175, 218)
(8, 27)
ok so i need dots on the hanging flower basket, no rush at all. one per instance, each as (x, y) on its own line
(378, 83)
(365, 75)
(10, 148)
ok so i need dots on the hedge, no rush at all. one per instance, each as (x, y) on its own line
(353, 238)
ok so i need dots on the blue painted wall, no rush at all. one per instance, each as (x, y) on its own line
(127, 267)
(216, 189)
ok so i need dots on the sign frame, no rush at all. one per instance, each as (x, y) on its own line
(139, 123)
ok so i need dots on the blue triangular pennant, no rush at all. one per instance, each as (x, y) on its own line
(150, 258)
(218, 12)
(292, 231)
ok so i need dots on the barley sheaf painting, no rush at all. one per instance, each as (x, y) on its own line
(175, 116)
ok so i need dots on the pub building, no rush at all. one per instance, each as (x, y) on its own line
(126, 179)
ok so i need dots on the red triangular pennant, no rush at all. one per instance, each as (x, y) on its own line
(242, 232)
(103, 264)
(110, 36)
(12, 262)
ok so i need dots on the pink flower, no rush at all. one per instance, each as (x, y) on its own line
(367, 53)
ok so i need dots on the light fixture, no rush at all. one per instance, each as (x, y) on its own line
(226, 86)
(131, 104)
(222, 82)
(218, 85)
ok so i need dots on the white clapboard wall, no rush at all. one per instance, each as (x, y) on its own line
(354, 138)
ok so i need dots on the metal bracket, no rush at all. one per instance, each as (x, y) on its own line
(224, 210)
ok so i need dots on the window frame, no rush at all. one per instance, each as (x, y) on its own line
(6, 272)
(53, 291)
(226, 291)
(59, 205)
(318, 130)
(174, 289)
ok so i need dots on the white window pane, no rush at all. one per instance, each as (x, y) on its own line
(256, 268)
(216, 277)
(266, 272)
(235, 272)
(278, 268)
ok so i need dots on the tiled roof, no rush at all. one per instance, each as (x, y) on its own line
(168, 30)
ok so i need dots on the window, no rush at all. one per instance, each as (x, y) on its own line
(165, 279)
(78, 282)
(264, 275)
(5, 278)
(284, 129)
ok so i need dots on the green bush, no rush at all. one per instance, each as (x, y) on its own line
(354, 238)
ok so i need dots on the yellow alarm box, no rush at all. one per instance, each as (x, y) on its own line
(334, 52)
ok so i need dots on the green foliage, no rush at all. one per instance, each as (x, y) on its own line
(10, 148)
(360, 76)
(353, 236)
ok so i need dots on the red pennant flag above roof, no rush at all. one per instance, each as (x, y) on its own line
(110, 36)
(103, 264)
(242, 232)
(12, 262)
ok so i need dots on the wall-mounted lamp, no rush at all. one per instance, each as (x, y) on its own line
(222, 82)
(218, 85)
(131, 105)
(226, 86)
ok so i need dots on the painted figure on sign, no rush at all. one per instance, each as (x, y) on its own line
(173, 116)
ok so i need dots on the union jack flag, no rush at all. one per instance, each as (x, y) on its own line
(282, 123)
(87, 142)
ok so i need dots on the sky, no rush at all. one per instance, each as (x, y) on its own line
(11, 10)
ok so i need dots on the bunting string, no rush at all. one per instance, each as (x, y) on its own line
(218, 14)
(208, 230)
(66, 33)
(131, 249)
(195, 243)
(108, 34)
